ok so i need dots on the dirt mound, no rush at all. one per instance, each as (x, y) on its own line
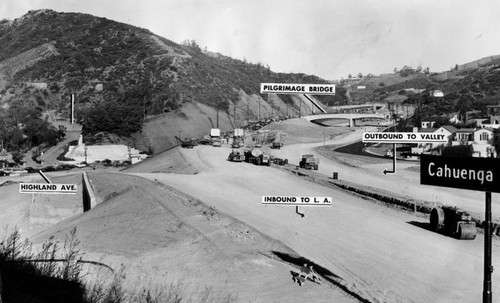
(32, 213)
(167, 236)
(174, 160)
(302, 131)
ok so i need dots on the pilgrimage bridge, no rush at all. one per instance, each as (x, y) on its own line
(322, 119)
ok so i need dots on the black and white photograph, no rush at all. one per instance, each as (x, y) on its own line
(221, 151)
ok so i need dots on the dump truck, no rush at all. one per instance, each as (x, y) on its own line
(236, 156)
(453, 221)
(309, 161)
(257, 157)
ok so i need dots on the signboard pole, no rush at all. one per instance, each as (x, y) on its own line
(393, 171)
(488, 269)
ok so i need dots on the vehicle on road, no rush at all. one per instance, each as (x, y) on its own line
(276, 145)
(309, 161)
(236, 156)
(189, 143)
(257, 157)
(216, 143)
(454, 222)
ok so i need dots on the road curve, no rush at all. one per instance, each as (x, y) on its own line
(382, 254)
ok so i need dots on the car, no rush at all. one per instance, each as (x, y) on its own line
(216, 144)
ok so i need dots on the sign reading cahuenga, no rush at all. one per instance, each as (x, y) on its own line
(481, 174)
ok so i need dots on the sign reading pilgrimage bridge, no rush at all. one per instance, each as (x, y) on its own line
(286, 88)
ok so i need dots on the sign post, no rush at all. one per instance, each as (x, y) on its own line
(49, 188)
(299, 89)
(481, 174)
(488, 269)
(395, 138)
(297, 201)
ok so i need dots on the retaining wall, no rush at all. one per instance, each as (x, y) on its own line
(89, 197)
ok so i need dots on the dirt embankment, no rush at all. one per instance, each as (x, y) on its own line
(167, 236)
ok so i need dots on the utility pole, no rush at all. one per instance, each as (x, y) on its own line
(217, 114)
(259, 109)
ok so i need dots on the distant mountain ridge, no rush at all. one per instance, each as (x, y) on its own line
(45, 56)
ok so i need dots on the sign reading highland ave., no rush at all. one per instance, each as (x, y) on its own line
(383, 137)
(50, 188)
(286, 88)
(482, 174)
(297, 201)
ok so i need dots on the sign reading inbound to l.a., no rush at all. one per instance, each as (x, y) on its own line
(297, 201)
(286, 88)
(381, 137)
(50, 188)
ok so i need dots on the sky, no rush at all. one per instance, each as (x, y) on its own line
(327, 38)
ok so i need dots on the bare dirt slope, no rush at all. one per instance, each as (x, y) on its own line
(381, 254)
(32, 213)
(170, 161)
(169, 237)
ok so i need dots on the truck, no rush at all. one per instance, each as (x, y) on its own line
(215, 132)
(308, 161)
(188, 142)
(453, 221)
(236, 156)
(276, 145)
(257, 157)
(215, 137)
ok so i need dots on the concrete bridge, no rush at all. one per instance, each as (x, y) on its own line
(352, 118)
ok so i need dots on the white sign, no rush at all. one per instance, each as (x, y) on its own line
(47, 188)
(404, 138)
(285, 88)
(302, 201)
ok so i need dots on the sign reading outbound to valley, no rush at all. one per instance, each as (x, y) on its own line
(49, 188)
(481, 174)
(285, 88)
(298, 201)
(382, 137)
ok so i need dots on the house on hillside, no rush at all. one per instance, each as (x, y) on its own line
(436, 93)
(481, 139)
(494, 113)
(429, 122)
(448, 130)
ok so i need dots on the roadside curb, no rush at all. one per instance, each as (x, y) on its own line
(416, 206)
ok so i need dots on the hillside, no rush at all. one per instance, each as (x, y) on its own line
(117, 70)
(146, 88)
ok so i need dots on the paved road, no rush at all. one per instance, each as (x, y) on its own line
(380, 253)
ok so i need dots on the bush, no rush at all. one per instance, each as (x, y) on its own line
(458, 151)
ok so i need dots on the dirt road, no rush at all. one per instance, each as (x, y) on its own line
(406, 180)
(382, 254)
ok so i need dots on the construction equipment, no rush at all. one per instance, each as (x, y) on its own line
(453, 221)
(276, 145)
(279, 161)
(235, 156)
(308, 161)
(187, 143)
(257, 157)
